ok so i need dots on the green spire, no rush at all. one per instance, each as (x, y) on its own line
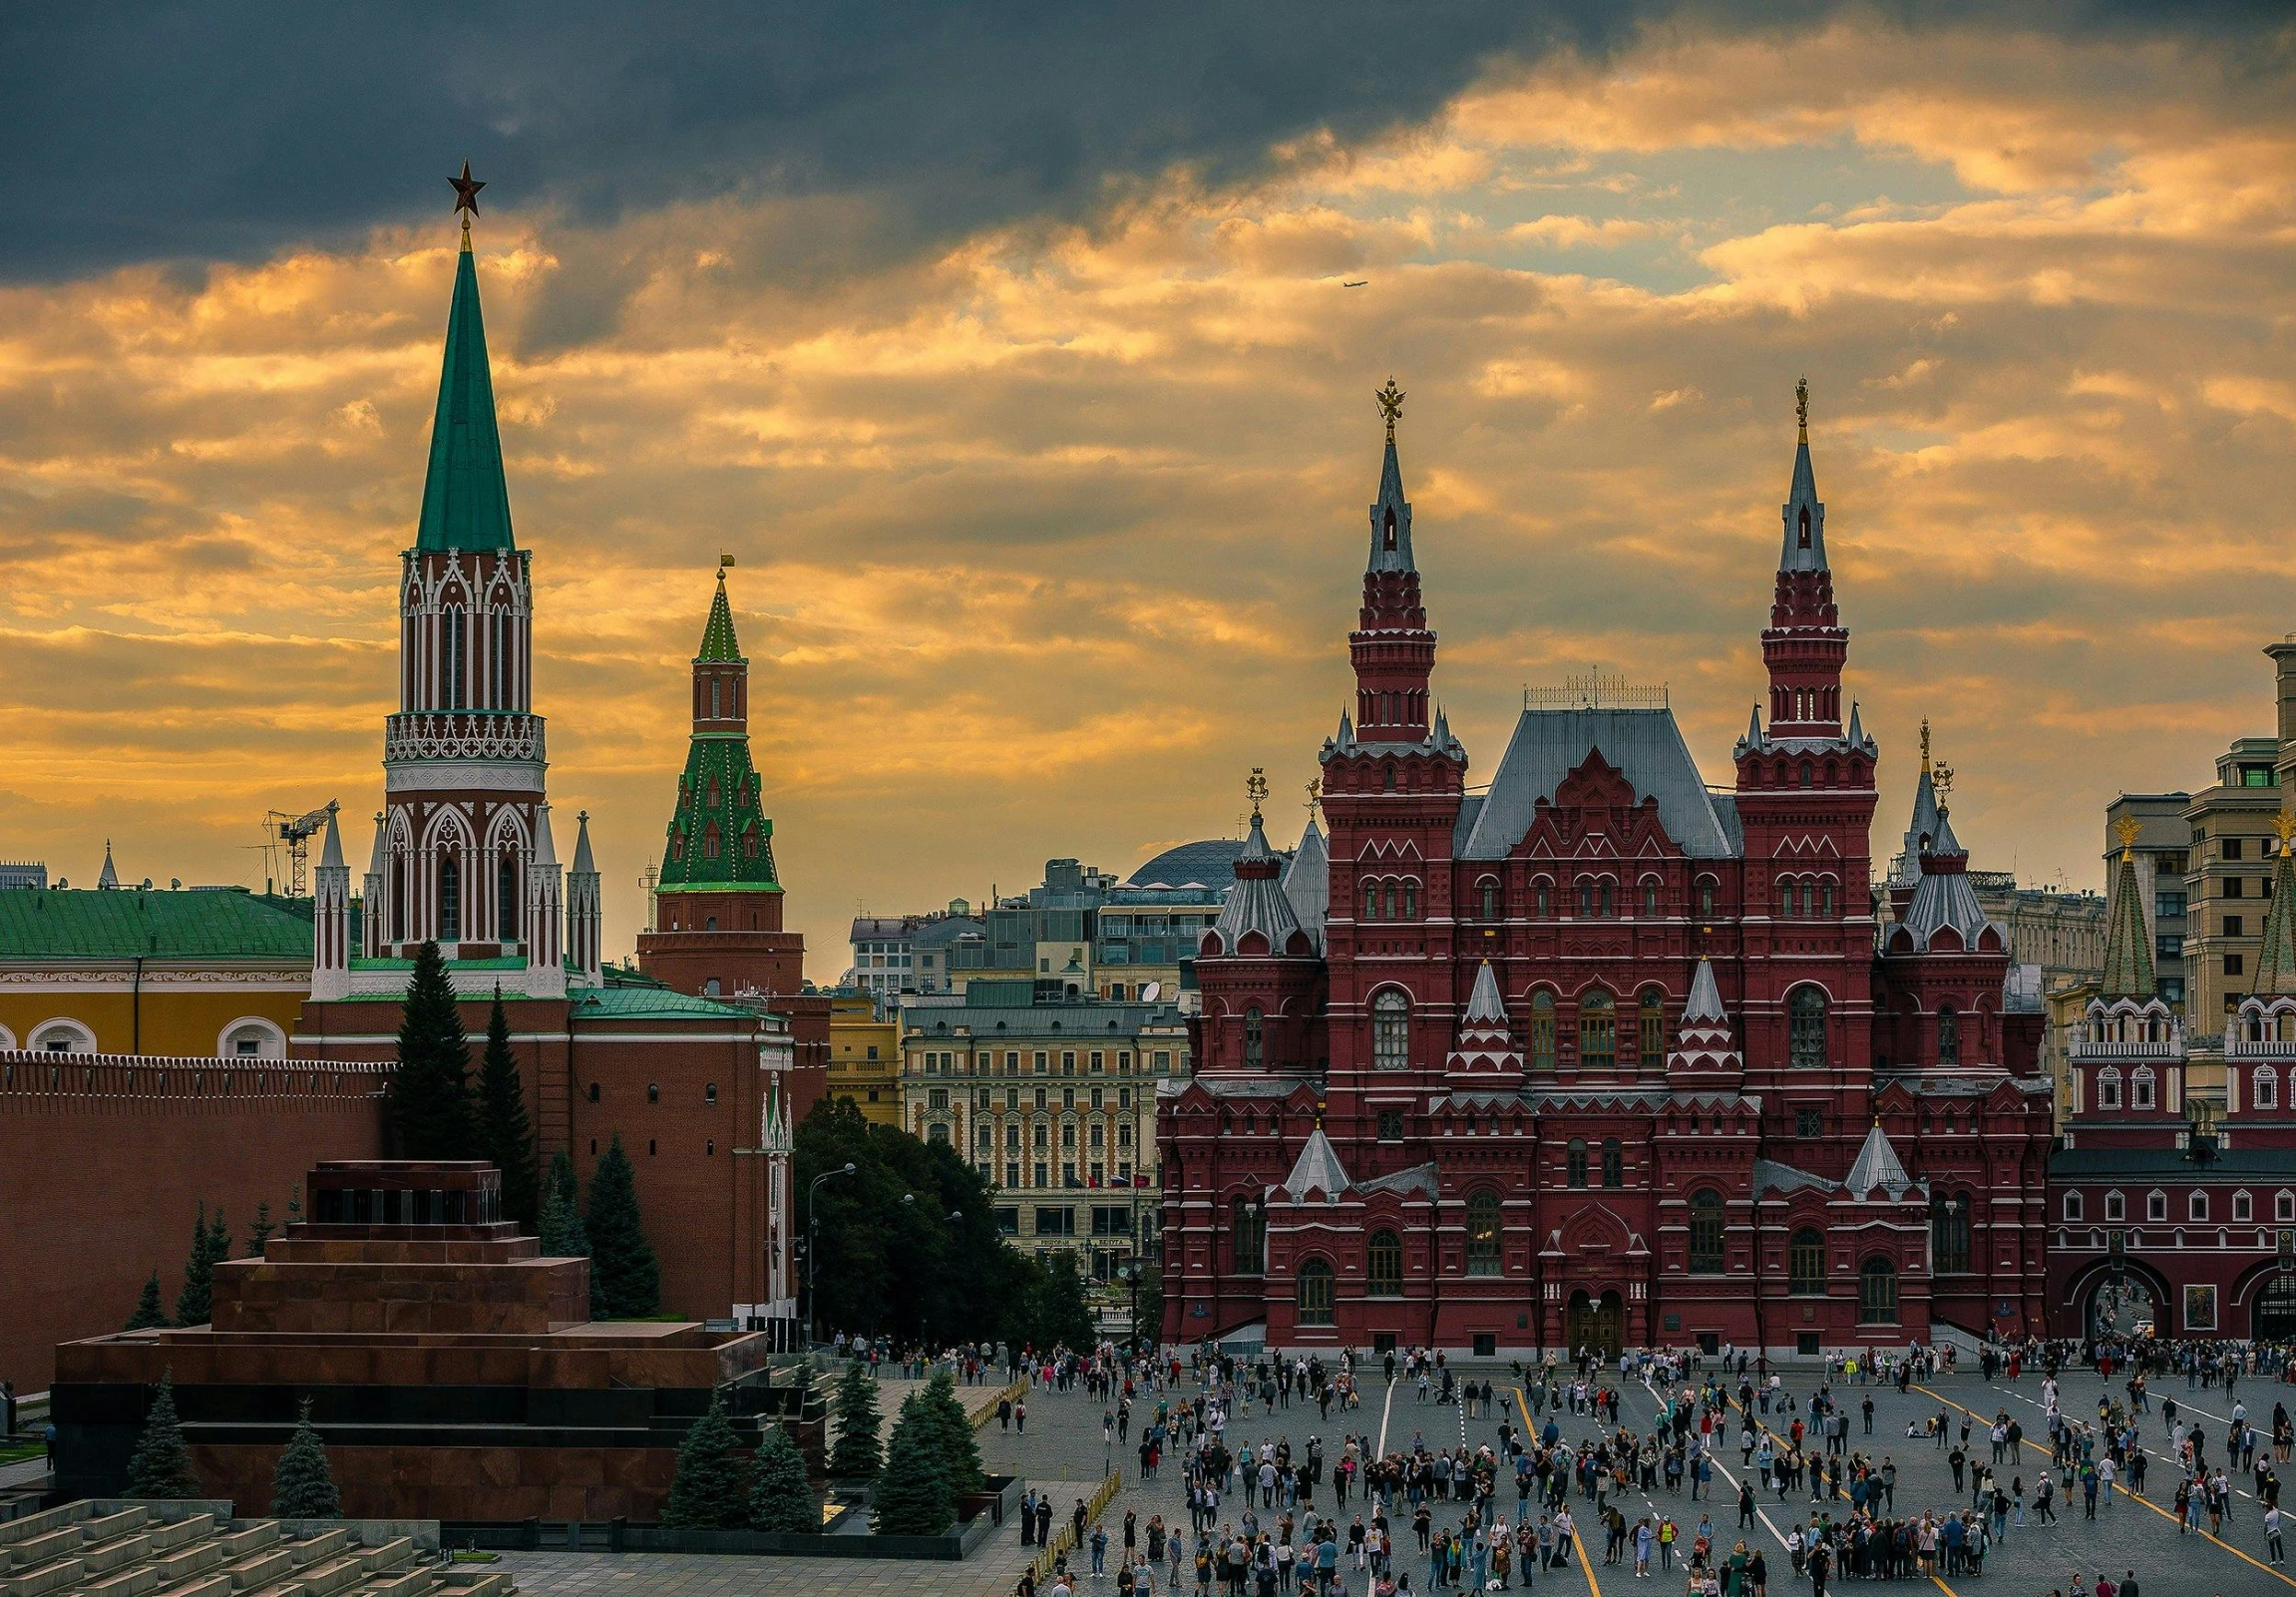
(720, 836)
(466, 503)
(2276, 964)
(2127, 948)
(717, 639)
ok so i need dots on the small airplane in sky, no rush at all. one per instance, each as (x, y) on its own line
(1358, 283)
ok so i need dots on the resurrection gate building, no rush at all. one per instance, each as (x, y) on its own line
(1599, 1055)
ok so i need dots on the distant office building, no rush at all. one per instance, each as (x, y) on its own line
(22, 873)
(865, 1053)
(895, 954)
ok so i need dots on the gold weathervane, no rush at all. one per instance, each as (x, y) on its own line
(2126, 828)
(1390, 400)
(1801, 407)
(1925, 745)
(723, 560)
(1257, 786)
(1314, 797)
(2284, 824)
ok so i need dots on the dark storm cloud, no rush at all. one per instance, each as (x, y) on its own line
(200, 131)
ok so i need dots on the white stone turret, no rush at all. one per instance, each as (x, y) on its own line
(584, 928)
(331, 919)
(546, 973)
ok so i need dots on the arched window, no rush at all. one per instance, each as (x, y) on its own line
(1614, 1164)
(1370, 897)
(2072, 1206)
(1542, 1031)
(1491, 897)
(1825, 899)
(1598, 1031)
(1391, 1031)
(1805, 1029)
(1948, 1038)
(1542, 899)
(1248, 1231)
(1877, 1293)
(1654, 1026)
(1949, 1233)
(1649, 901)
(1411, 899)
(2140, 1087)
(1483, 1233)
(452, 645)
(2108, 1088)
(1384, 1265)
(2264, 1087)
(1706, 1232)
(1252, 1038)
(1586, 898)
(500, 661)
(450, 900)
(1575, 1163)
(1394, 907)
(1315, 1293)
(1805, 1264)
(1705, 900)
(1606, 897)
(507, 897)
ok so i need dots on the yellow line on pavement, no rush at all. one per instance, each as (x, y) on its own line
(2124, 1490)
(1531, 1430)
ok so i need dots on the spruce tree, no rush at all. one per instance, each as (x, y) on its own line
(856, 1456)
(911, 1496)
(218, 1241)
(150, 1313)
(195, 1304)
(559, 1225)
(262, 1231)
(303, 1487)
(162, 1465)
(504, 1134)
(624, 1276)
(779, 1497)
(430, 1094)
(711, 1490)
(959, 1449)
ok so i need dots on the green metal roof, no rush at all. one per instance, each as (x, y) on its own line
(226, 924)
(619, 1003)
(717, 639)
(466, 501)
(2276, 962)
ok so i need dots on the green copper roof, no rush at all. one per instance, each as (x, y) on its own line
(2276, 962)
(717, 639)
(2128, 950)
(466, 503)
(225, 923)
(615, 1002)
(719, 837)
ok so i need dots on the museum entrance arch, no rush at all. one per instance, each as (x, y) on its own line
(2272, 1317)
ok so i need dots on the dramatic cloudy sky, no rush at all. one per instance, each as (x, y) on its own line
(1006, 347)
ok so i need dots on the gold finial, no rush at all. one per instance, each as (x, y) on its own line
(1925, 745)
(2126, 828)
(1314, 797)
(1944, 782)
(2284, 824)
(1390, 400)
(1257, 786)
(1801, 407)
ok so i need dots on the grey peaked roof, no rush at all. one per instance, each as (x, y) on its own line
(1419, 1178)
(1705, 999)
(1945, 898)
(1770, 1175)
(1645, 745)
(1877, 1165)
(1804, 494)
(1920, 832)
(1307, 883)
(1317, 1169)
(1384, 558)
(1256, 903)
(1484, 1005)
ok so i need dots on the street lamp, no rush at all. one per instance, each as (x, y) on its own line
(813, 1248)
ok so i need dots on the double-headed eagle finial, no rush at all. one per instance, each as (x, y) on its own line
(1257, 786)
(1390, 400)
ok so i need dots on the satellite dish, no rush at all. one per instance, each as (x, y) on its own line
(1151, 993)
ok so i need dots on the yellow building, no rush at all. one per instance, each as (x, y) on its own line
(216, 973)
(864, 1056)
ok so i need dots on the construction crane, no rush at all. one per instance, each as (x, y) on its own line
(296, 832)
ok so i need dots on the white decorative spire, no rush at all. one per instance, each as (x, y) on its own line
(331, 919)
(585, 928)
(546, 972)
(108, 879)
(1486, 1057)
(372, 909)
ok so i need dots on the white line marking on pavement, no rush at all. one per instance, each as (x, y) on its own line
(1386, 1408)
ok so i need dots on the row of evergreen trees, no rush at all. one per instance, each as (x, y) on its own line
(434, 1109)
(211, 1246)
(302, 1485)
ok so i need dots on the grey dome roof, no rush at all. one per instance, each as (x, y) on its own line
(1210, 863)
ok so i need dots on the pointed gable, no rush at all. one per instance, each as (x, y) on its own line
(1308, 883)
(1877, 1167)
(1317, 1170)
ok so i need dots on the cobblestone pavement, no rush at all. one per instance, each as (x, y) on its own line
(1063, 1450)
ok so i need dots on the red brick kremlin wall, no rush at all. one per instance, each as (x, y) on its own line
(105, 1160)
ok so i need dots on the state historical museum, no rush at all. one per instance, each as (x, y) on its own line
(1599, 1055)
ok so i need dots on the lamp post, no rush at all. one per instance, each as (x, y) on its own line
(813, 1247)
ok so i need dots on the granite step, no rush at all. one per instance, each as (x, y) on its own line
(216, 1585)
(411, 1583)
(388, 1557)
(185, 1562)
(45, 1522)
(487, 1585)
(326, 1546)
(239, 1544)
(105, 1527)
(118, 1553)
(261, 1569)
(337, 1574)
(35, 1550)
(190, 1528)
(134, 1582)
(58, 1574)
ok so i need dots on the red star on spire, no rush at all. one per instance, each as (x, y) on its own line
(466, 192)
